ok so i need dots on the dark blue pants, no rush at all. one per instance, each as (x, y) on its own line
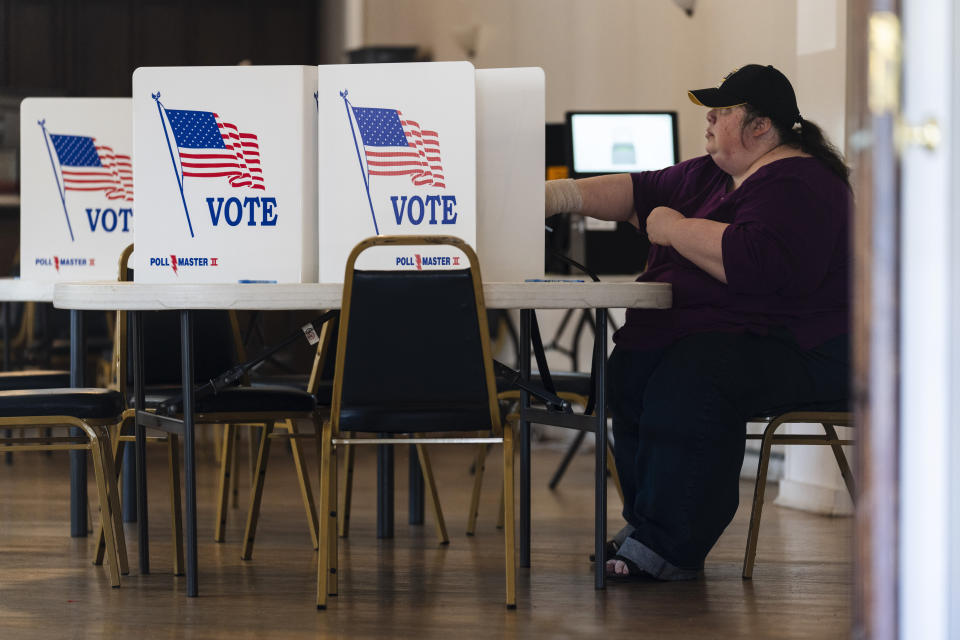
(679, 426)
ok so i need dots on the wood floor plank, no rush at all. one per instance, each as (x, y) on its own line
(408, 586)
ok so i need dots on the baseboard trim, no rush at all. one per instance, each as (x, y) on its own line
(814, 498)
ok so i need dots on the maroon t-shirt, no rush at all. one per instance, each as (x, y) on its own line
(785, 253)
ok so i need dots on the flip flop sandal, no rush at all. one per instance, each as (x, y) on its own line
(609, 551)
(636, 573)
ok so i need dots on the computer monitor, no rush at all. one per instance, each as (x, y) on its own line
(604, 142)
(621, 141)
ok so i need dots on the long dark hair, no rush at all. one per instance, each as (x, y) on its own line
(807, 137)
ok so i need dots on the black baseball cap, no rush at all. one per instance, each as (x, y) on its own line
(761, 86)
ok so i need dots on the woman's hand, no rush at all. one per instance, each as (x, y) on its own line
(697, 239)
(660, 223)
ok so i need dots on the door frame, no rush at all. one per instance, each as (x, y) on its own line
(876, 336)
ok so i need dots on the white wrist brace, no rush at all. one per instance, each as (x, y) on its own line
(563, 196)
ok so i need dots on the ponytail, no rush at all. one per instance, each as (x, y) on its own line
(809, 138)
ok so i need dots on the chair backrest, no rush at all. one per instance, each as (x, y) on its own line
(124, 274)
(321, 373)
(214, 346)
(216, 340)
(21, 318)
(20, 315)
(413, 349)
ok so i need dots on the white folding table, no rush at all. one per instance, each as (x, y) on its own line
(526, 296)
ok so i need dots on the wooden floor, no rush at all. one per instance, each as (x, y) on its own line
(408, 586)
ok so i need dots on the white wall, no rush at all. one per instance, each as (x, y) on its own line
(604, 54)
(820, 75)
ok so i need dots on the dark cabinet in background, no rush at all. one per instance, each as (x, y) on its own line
(91, 47)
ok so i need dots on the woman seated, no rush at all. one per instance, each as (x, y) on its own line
(753, 237)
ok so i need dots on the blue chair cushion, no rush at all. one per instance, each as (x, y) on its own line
(238, 399)
(564, 381)
(413, 419)
(249, 399)
(87, 403)
(37, 379)
(294, 380)
(297, 381)
(839, 406)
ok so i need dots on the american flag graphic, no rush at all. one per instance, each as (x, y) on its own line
(210, 148)
(397, 146)
(86, 165)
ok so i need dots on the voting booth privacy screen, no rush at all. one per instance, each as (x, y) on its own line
(76, 193)
(226, 171)
(274, 174)
(397, 147)
(510, 160)
(431, 149)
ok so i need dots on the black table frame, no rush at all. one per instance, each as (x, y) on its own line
(78, 459)
(185, 429)
(597, 423)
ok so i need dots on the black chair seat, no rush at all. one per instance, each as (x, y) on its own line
(563, 381)
(37, 379)
(296, 381)
(813, 407)
(244, 399)
(85, 403)
(238, 399)
(416, 419)
(95, 344)
(154, 395)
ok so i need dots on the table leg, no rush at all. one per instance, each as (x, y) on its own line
(6, 336)
(78, 459)
(129, 470)
(140, 445)
(526, 317)
(600, 411)
(415, 481)
(189, 462)
(6, 360)
(384, 489)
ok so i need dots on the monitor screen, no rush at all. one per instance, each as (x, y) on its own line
(621, 142)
